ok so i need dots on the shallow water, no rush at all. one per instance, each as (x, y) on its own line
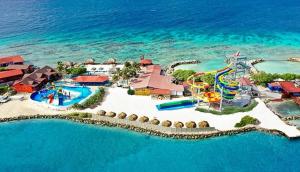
(287, 108)
(56, 145)
(48, 31)
(279, 67)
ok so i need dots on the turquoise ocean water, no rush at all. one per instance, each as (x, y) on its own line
(48, 31)
(56, 145)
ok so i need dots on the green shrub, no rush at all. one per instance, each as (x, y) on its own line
(262, 78)
(182, 75)
(3, 69)
(76, 71)
(246, 120)
(4, 89)
(92, 100)
(230, 109)
(130, 92)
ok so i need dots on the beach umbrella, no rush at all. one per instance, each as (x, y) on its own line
(155, 121)
(122, 115)
(166, 123)
(203, 124)
(191, 124)
(178, 124)
(101, 113)
(133, 117)
(144, 119)
(111, 114)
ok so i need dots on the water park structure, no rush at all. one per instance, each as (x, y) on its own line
(225, 87)
(61, 96)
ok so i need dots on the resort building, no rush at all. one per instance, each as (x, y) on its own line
(24, 67)
(145, 62)
(5, 61)
(289, 89)
(103, 69)
(92, 80)
(10, 75)
(36, 80)
(274, 86)
(152, 82)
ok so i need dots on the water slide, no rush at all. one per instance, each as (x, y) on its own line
(229, 87)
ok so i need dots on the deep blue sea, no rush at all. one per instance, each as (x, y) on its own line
(56, 145)
(45, 31)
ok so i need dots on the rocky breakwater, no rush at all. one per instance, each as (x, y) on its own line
(171, 67)
(253, 62)
(155, 132)
(294, 59)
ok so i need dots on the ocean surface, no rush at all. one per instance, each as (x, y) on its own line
(57, 145)
(47, 31)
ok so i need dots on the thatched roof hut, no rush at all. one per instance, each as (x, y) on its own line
(203, 124)
(166, 123)
(111, 114)
(90, 61)
(133, 117)
(191, 124)
(155, 121)
(101, 113)
(111, 61)
(144, 119)
(178, 124)
(122, 115)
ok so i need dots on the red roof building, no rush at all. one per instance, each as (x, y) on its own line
(145, 62)
(24, 67)
(289, 89)
(155, 82)
(5, 61)
(36, 80)
(91, 80)
(10, 75)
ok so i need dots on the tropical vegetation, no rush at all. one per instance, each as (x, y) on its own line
(230, 109)
(3, 69)
(130, 70)
(70, 70)
(263, 78)
(93, 100)
(246, 120)
(4, 89)
(182, 75)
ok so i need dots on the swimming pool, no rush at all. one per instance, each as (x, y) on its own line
(173, 105)
(70, 95)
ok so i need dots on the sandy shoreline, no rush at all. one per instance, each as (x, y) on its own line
(118, 101)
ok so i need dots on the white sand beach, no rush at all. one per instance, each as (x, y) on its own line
(117, 100)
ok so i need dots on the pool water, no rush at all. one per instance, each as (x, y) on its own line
(287, 108)
(174, 105)
(77, 94)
